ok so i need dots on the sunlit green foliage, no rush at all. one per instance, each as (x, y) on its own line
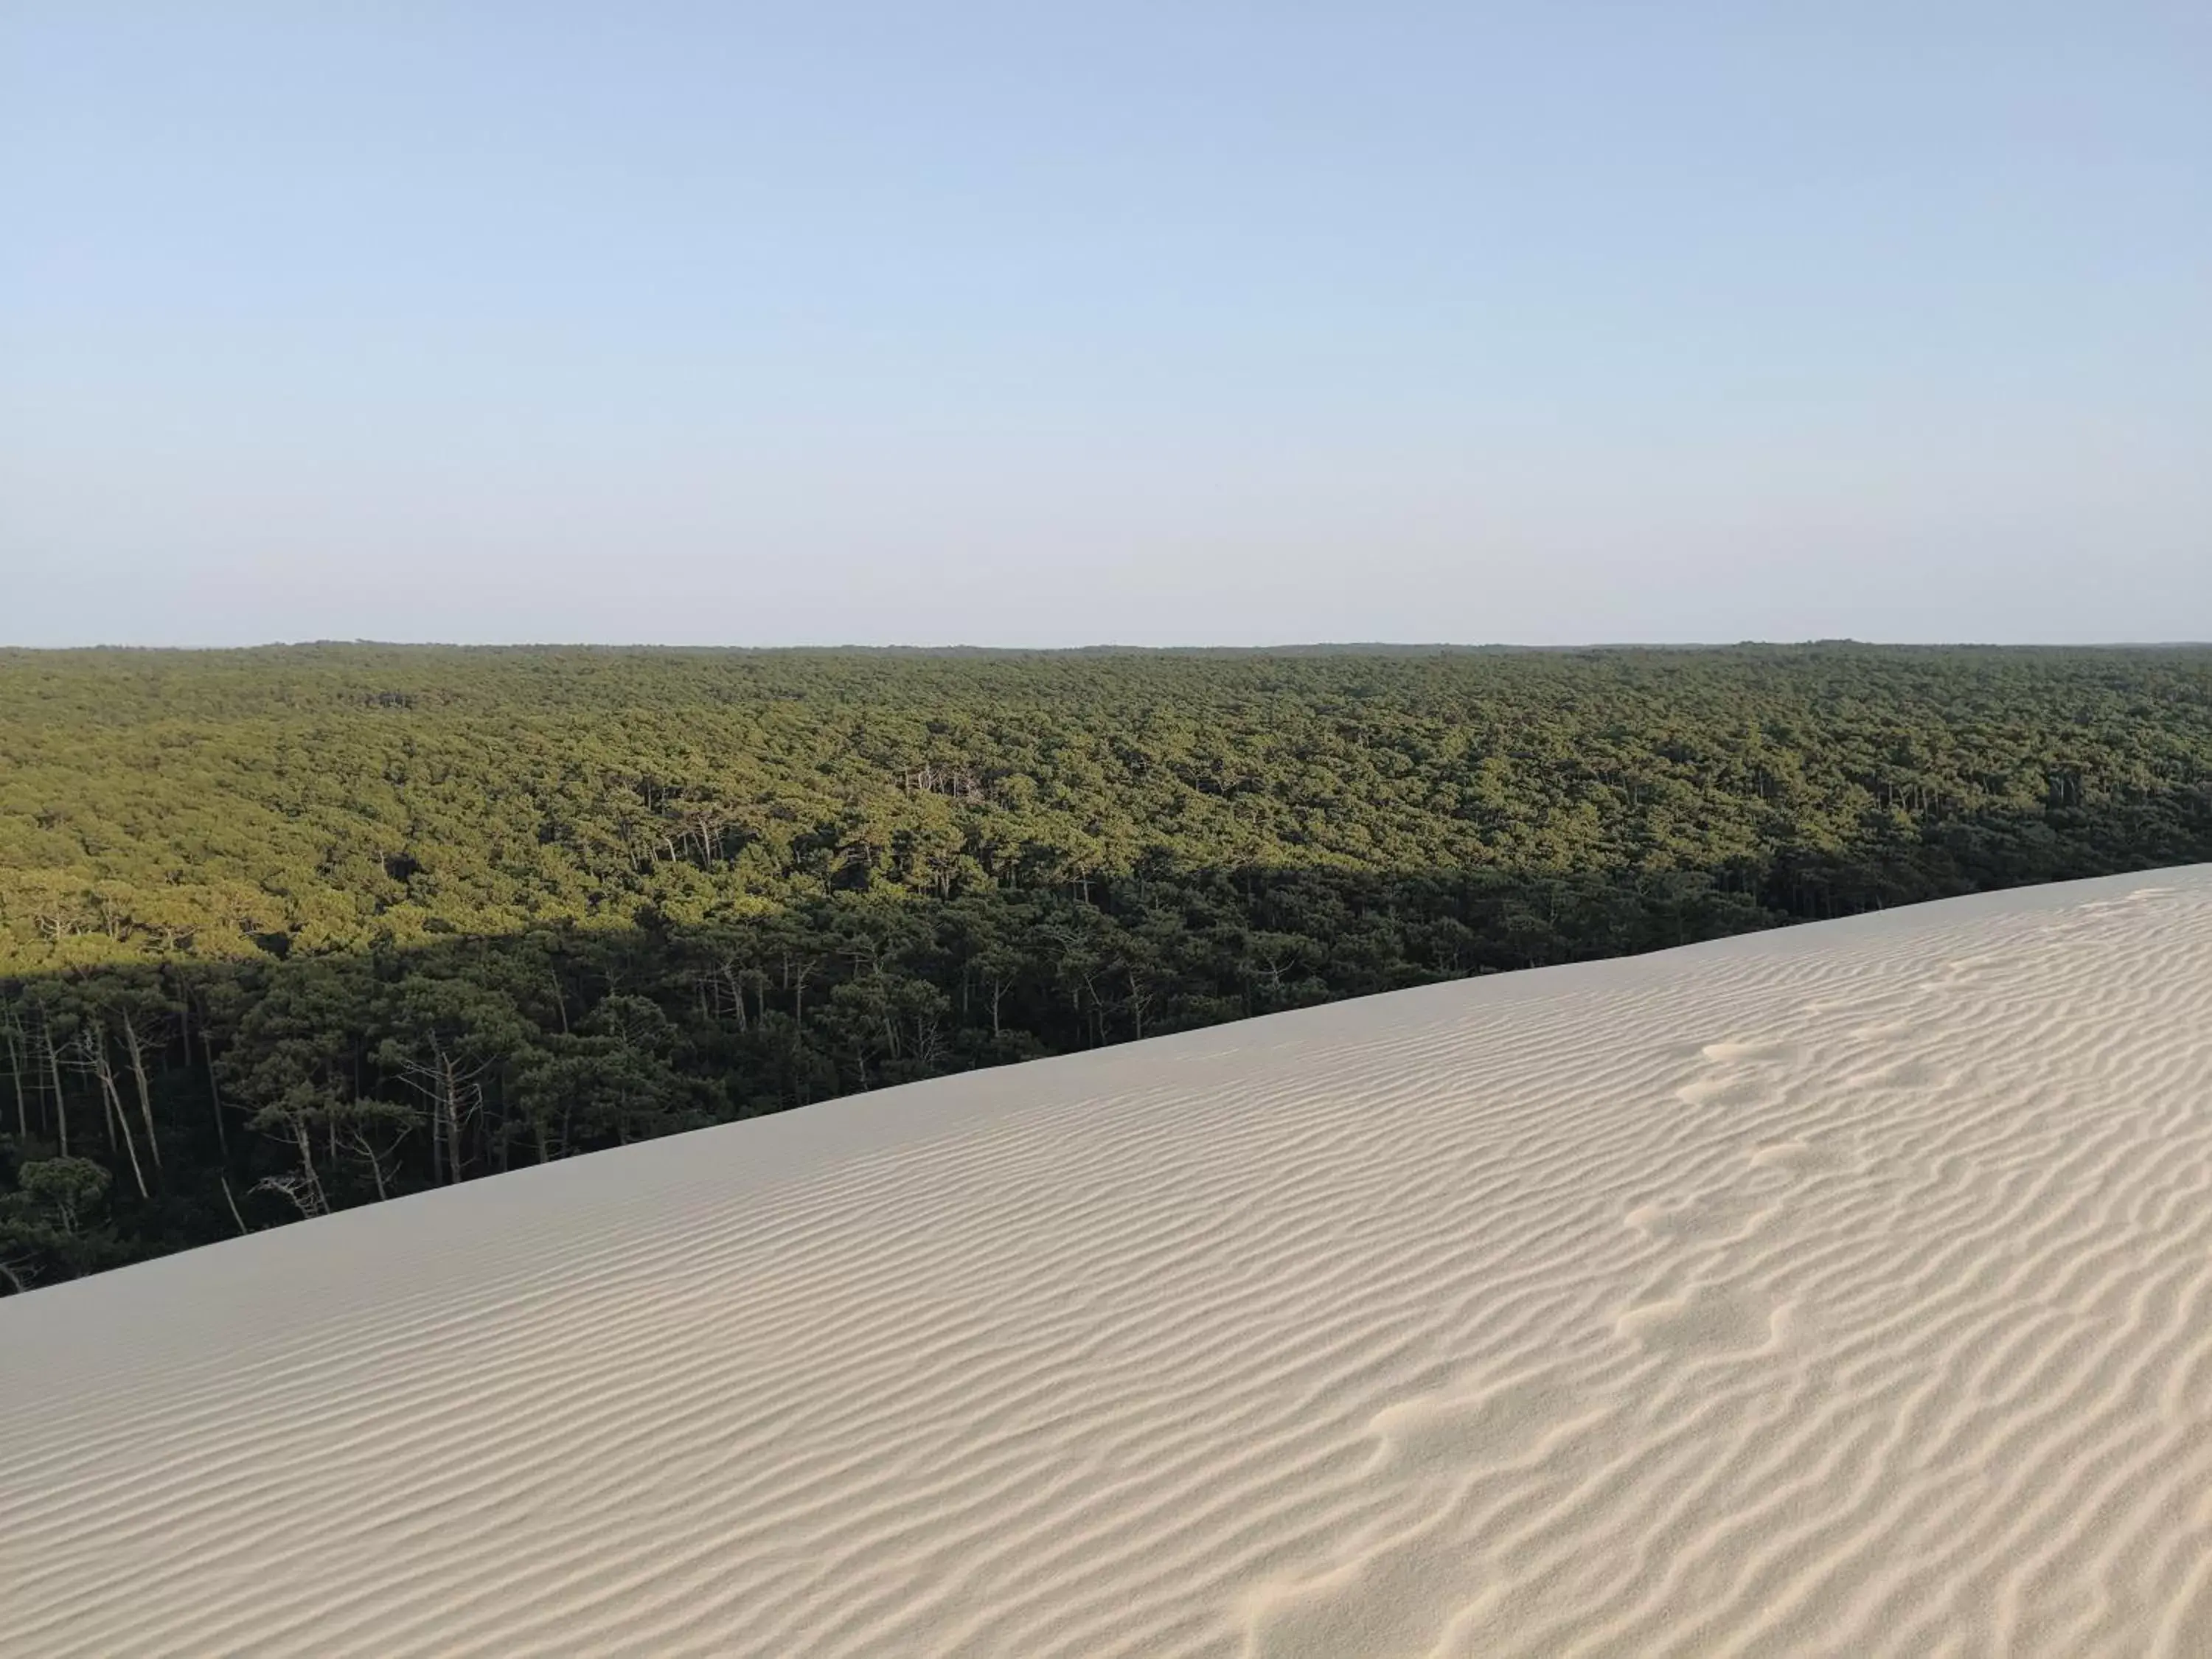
(289, 930)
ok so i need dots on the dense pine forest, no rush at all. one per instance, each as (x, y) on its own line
(291, 930)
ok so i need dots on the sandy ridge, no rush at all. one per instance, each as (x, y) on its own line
(1843, 1291)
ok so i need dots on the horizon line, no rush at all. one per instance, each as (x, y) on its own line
(1109, 647)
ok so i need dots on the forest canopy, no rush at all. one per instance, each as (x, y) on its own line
(288, 930)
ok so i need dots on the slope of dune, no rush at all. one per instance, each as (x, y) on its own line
(1843, 1291)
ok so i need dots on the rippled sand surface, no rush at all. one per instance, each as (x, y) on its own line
(1844, 1291)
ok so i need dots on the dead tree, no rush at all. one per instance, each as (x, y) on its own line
(92, 1056)
(137, 1053)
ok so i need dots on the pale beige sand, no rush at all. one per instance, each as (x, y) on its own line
(1847, 1291)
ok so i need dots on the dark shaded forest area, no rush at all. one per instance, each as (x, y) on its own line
(297, 929)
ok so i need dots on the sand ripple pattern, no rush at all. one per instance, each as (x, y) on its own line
(1846, 1291)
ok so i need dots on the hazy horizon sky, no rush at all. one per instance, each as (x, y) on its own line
(1150, 324)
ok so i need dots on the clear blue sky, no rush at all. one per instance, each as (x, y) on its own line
(1152, 323)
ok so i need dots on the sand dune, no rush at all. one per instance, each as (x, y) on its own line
(1847, 1291)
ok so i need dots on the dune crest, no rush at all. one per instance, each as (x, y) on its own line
(1841, 1290)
